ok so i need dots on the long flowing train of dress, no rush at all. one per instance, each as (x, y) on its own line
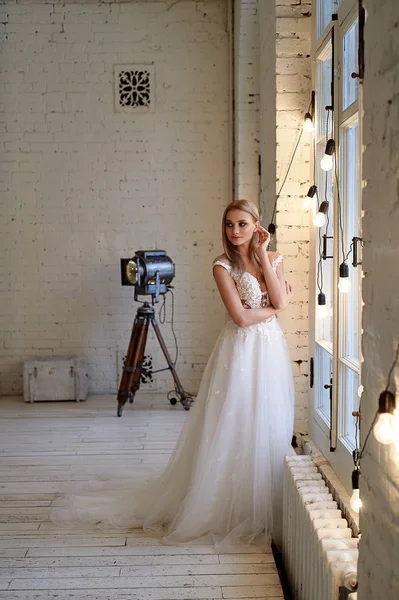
(224, 478)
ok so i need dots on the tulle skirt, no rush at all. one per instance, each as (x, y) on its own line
(223, 482)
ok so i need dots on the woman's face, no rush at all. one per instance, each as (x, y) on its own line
(240, 227)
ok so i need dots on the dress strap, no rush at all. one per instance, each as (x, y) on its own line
(221, 264)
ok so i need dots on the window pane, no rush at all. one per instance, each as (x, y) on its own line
(325, 316)
(350, 302)
(350, 87)
(324, 268)
(323, 374)
(325, 8)
(323, 96)
(324, 323)
(351, 309)
(350, 383)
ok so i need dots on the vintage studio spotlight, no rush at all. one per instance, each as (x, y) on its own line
(150, 272)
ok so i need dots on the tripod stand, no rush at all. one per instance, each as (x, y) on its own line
(131, 376)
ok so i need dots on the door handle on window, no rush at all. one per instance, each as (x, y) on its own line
(355, 241)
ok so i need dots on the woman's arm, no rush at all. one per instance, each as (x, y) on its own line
(240, 316)
(275, 282)
(285, 287)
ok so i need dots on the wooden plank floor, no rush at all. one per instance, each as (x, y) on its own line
(45, 445)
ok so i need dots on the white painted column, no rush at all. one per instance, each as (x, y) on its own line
(246, 99)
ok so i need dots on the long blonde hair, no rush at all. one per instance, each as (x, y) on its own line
(230, 250)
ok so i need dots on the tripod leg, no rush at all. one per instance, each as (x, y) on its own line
(185, 398)
(139, 332)
(136, 379)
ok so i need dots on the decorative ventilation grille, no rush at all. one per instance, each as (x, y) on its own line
(134, 88)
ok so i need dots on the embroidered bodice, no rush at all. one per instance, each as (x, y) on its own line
(248, 286)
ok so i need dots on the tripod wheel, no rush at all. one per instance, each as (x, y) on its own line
(173, 401)
(120, 410)
(131, 397)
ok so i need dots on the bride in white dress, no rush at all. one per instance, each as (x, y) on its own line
(224, 478)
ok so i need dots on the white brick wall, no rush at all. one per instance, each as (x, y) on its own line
(82, 186)
(379, 546)
(293, 87)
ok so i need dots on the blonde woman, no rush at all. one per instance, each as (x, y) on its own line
(224, 479)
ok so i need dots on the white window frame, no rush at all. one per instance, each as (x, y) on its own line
(322, 346)
(331, 435)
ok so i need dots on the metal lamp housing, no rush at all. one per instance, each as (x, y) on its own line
(149, 271)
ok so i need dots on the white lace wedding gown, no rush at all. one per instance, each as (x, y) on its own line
(224, 479)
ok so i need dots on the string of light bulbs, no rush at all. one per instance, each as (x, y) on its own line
(384, 426)
(307, 126)
(386, 419)
(321, 219)
(344, 284)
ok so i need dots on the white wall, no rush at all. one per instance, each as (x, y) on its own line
(82, 186)
(379, 545)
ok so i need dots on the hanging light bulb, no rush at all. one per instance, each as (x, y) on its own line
(355, 502)
(308, 123)
(322, 310)
(308, 200)
(320, 219)
(384, 428)
(271, 228)
(326, 162)
(344, 284)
